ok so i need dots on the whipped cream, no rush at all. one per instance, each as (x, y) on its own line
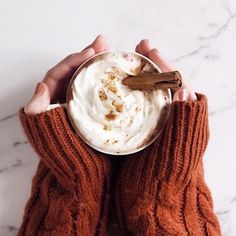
(108, 115)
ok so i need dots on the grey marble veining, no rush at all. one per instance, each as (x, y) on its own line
(198, 36)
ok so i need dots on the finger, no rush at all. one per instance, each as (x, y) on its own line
(99, 44)
(57, 77)
(143, 47)
(184, 94)
(71, 62)
(192, 95)
(157, 58)
(181, 95)
(68, 65)
(66, 68)
(137, 49)
(40, 100)
(164, 65)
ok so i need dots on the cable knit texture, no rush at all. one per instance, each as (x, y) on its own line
(70, 189)
(161, 190)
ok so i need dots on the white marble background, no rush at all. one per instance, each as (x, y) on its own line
(199, 36)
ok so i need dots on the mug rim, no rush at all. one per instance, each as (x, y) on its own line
(69, 96)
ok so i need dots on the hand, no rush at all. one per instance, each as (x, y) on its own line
(55, 83)
(159, 186)
(74, 175)
(183, 94)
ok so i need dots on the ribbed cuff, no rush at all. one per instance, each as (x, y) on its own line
(184, 140)
(58, 146)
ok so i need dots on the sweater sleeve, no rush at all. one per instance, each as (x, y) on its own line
(162, 190)
(183, 142)
(57, 145)
(184, 202)
(69, 193)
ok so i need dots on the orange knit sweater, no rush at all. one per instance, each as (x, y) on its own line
(162, 191)
(159, 191)
(70, 189)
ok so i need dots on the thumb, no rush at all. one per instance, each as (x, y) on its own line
(40, 100)
(184, 94)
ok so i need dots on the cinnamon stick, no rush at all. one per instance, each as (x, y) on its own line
(172, 80)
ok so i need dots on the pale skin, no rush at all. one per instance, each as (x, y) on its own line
(54, 84)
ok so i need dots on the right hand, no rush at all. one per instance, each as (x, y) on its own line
(183, 94)
(55, 83)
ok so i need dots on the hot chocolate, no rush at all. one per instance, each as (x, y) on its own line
(107, 114)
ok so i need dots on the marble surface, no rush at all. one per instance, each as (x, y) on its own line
(198, 36)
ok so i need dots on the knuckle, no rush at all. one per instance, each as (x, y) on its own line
(49, 73)
(70, 56)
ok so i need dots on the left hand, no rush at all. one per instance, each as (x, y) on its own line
(54, 85)
(183, 94)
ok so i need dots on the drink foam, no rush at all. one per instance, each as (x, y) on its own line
(109, 115)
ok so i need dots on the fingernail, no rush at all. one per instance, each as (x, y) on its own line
(39, 90)
(155, 50)
(185, 94)
(98, 37)
(181, 95)
(148, 43)
(145, 41)
(192, 96)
